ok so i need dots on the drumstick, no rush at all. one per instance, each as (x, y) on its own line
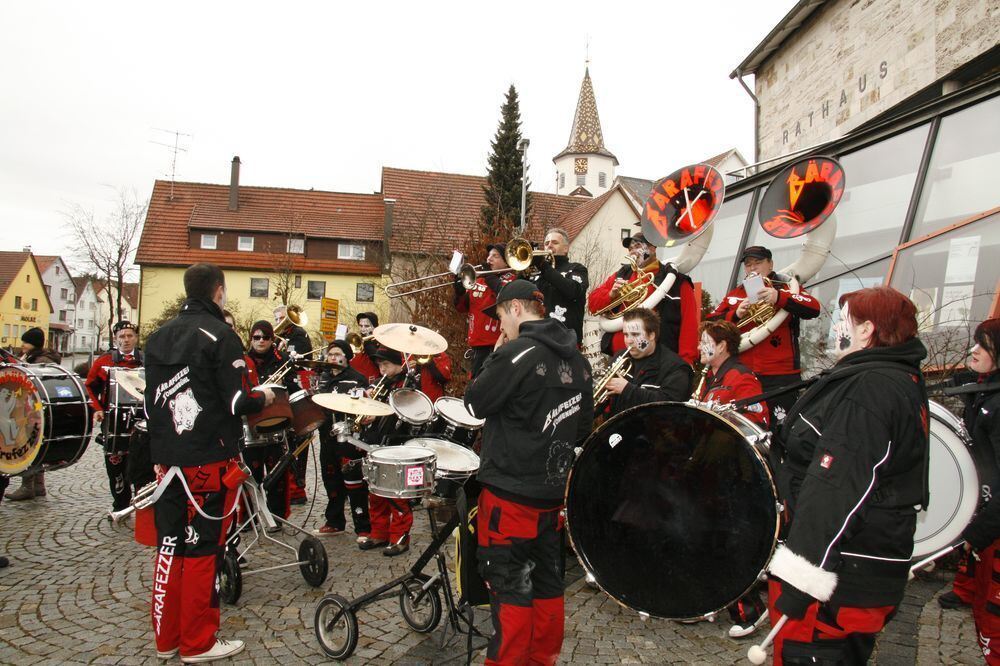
(757, 654)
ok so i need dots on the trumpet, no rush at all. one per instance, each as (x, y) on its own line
(381, 389)
(143, 499)
(760, 312)
(631, 294)
(620, 368)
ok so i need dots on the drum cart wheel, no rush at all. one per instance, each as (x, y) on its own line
(421, 608)
(230, 578)
(313, 561)
(336, 627)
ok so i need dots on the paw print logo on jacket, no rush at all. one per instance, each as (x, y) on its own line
(565, 372)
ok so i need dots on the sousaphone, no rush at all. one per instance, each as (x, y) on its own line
(679, 210)
(800, 201)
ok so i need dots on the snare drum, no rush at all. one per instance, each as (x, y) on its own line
(953, 485)
(672, 509)
(455, 464)
(413, 410)
(400, 472)
(454, 422)
(44, 418)
(124, 409)
(276, 416)
(253, 439)
(307, 416)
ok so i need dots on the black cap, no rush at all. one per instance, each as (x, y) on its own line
(343, 346)
(264, 327)
(499, 247)
(518, 290)
(757, 252)
(35, 337)
(637, 237)
(370, 316)
(122, 325)
(387, 354)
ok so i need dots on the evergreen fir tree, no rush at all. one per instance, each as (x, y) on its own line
(502, 210)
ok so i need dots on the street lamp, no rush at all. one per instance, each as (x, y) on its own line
(523, 147)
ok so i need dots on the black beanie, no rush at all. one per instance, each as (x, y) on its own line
(344, 347)
(264, 327)
(34, 337)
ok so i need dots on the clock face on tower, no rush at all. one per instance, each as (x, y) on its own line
(580, 165)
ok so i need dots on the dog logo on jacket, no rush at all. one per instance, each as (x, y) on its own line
(184, 409)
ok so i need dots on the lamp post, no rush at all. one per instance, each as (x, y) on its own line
(523, 147)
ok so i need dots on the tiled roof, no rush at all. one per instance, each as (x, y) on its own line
(44, 261)
(586, 136)
(164, 240)
(80, 283)
(11, 264)
(437, 212)
(130, 291)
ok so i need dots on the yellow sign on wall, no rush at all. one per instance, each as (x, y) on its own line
(330, 311)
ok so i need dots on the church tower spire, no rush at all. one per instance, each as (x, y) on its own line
(585, 167)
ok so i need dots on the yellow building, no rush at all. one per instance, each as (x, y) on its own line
(275, 245)
(23, 301)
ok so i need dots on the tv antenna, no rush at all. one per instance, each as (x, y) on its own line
(174, 149)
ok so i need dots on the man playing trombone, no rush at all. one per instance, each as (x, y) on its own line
(483, 330)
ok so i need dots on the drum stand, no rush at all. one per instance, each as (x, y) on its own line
(336, 621)
(310, 556)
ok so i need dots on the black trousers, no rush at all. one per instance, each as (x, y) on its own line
(340, 490)
(116, 466)
(263, 458)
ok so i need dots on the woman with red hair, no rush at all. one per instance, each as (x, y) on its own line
(851, 465)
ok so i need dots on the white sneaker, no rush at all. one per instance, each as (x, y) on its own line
(221, 650)
(169, 654)
(743, 630)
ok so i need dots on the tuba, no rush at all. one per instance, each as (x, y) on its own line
(680, 209)
(796, 202)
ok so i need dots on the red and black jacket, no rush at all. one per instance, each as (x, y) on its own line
(982, 421)
(734, 381)
(678, 311)
(434, 375)
(779, 354)
(483, 329)
(97, 378)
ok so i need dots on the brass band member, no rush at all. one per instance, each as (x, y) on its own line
(298, 339)
(678, 311)
(536, 394)
(851, 465)
(657, 372)
(340, 462)
(775, 361)
(483, 330)
(124, 356)
(363, 361)
(564, 287)
(196, 392)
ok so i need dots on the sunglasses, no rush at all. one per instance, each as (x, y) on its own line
(261, 337)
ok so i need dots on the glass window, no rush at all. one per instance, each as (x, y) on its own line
(365, 292)
(245, 244)
(17, 302)
(562, 180)
(6, 330)
(83, 339)
(259, 287)
(57, 270)
(353, 251)
(962, 176)
(64, 294)
(62, 315)
(953, 280)
(208, 241)
(716, 266)
(626, 233)
(316, 289)
(297, 282)
(296, 246)
(34, 304)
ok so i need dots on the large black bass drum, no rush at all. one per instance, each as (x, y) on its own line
(672, 508)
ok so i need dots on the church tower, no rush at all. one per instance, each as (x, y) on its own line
(585, 167)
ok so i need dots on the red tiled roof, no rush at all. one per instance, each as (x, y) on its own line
(11, 264)
(164, 240)
(80, 283)
(44, 261)
(435, 212)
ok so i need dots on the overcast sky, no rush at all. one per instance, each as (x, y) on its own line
(324, 94)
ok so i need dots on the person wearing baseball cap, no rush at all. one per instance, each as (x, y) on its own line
(535, 392)
(678, 312)
(483, 330)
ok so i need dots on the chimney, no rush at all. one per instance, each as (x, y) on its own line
(390, 204)
(234, 185)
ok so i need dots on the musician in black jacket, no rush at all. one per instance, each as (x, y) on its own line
(564, 286)
(196, 391)
(341, 462)
(851, 466)
(657, 373)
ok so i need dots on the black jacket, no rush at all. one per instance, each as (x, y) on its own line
(197, 388)
(348, 379)
(42, 355)
(982, 421)
(663, 375)
(851, 465)
(298, 340)
(536, 394)
(565, 290)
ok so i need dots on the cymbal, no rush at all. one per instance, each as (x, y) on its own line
(348, 404)
(410, 339)
(132, 383)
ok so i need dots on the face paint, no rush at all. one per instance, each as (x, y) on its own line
(642, 344)
(843, 333)
(635, 336)
(707, 347)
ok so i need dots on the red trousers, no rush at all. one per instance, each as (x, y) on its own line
(964, 585)
(520, 558)
(391, 519)
(827, 634)
(189, 555)
(986, 603)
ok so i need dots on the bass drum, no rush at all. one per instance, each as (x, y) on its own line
(44, 418)
(953, 485)
(672, 509)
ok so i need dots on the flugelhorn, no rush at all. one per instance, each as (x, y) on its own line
(620, 368)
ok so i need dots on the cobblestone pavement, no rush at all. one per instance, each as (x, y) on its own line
(78, 592)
